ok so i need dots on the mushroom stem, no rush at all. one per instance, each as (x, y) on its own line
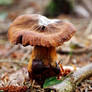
(43, 63)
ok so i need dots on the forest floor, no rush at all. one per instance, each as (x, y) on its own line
(14, 58)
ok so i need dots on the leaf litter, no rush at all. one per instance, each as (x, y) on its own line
(13, 67)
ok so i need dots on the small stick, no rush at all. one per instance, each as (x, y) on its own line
(70, 83)
(26, 55)
(88, 30)
(78, 51)
(12, 50)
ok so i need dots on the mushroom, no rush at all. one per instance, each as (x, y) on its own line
(45, 35)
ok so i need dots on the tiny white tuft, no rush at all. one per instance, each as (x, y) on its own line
(45, 21)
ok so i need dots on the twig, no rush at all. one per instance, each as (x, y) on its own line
(67, 60)
(88, 5)
(12, 50)
(88, 30)
(13, 61)
(70, 83)
(78, 51)
(26, 55)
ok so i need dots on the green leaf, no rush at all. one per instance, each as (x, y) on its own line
(52, 81)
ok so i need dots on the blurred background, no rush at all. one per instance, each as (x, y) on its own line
(76, 52)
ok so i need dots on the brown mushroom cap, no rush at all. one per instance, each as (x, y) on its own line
(37, 30)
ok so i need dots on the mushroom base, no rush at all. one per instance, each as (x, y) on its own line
(42, 64)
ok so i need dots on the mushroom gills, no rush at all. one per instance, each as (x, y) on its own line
(19, 39)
